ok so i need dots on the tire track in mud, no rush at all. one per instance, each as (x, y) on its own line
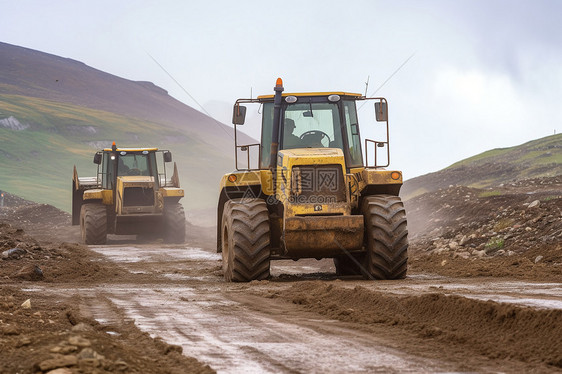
(237, 332)
(292, 324)
(484, 328)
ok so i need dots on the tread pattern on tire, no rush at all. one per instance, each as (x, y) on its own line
(386, 237)
(93, 222)
(246, 240)
(174, 223)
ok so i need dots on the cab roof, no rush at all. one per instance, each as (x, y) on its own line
(131, 149)
(300, 94)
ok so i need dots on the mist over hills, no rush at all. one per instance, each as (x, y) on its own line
(534, 159)
(32, 73)
(56, 112)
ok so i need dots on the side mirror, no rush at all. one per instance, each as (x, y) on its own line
(167, 156)
(239, 115)
(381, 112)
(97, 158)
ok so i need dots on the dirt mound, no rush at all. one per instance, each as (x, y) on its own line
(14, 201)
(39, 214)
(517, 226)
(42, 221)
(22, 255)
(484, 328)
(522, 266)
(45, 335)
(457, 206)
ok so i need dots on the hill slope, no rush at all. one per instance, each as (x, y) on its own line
(31, 73)
(56, 112)
(534, 159)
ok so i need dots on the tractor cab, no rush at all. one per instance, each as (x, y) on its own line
(314, 121)
(126, 162)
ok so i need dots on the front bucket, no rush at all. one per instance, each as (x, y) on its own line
(322, 236)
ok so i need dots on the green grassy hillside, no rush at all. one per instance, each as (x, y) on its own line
(36, 162)
(534, 159)
(57, 112)
(541, 157)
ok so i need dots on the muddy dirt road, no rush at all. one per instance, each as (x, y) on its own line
(292, 323)
(483, 294)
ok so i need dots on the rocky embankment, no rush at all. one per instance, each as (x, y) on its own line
(517, 220)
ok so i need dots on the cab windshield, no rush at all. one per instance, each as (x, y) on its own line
(314, 125)
(311, 126)
(127, 163)
(133, 164)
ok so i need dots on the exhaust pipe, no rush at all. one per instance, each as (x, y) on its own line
(275, 133)
(276, 126)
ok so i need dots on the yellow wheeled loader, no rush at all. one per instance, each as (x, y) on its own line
(312, 193)
(131, 194)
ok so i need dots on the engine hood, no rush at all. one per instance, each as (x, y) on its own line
(310, 156)
(136, 179)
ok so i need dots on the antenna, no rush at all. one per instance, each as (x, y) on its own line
(221, 125)
(390, 77)
(215, 121)
(367, 84)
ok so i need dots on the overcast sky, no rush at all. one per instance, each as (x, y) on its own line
(484, 74)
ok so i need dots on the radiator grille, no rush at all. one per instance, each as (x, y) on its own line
(138, 196)
(317, 184)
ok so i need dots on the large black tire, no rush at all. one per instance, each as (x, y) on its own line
(386, 235)
(93, 223)
(348, 264)
(174, 223)
(245, 240)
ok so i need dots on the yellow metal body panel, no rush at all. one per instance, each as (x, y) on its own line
(172, 192)
(374, 176)
(289, 158)
(362, 177)
(106, 196)
(249, 178)
(137, 179)
(142, 182)
(320, 236)
(304, 156)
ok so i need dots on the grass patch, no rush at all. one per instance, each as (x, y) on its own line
(542, 157)
(416, 193)
(489, 193)
(503, 223)
(494, 244)
(539, 152)
(485, 156)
